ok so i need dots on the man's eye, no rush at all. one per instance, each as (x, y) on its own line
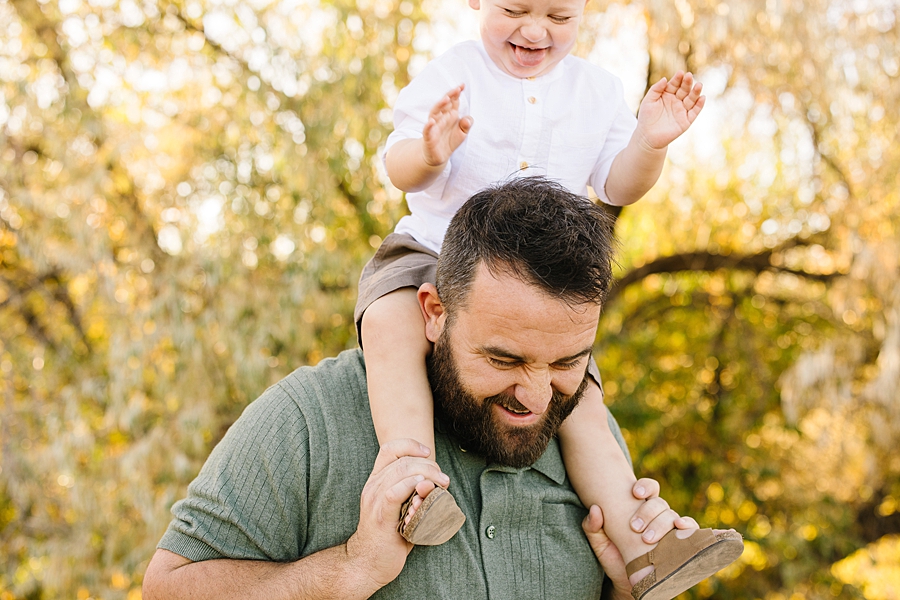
(564, 366)
(503, 364)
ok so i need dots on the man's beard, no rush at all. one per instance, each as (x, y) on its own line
(473, 422)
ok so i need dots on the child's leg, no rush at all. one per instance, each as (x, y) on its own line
(392, 332)
(600, 473)
(393, 336)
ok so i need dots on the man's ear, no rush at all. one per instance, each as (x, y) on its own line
(432, 310)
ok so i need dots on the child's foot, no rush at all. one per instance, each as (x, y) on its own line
(436, 520)
(677, 564)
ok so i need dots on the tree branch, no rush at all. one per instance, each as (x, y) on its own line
(704, 261)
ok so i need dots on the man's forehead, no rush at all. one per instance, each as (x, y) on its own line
(502, 280)
(503, 312)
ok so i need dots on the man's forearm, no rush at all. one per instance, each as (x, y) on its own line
(633, 172)
(327, 574)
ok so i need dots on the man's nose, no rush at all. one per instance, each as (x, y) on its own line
(533, 31)
(534, 391)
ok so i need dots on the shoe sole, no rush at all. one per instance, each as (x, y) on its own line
(704, 564)
(435, 521)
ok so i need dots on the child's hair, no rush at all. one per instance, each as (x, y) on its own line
(534, 229)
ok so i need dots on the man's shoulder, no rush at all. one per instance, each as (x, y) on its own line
(332, 391)
(347, 368)
(334, 388)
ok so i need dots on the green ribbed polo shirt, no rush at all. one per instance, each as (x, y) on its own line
(285, 482)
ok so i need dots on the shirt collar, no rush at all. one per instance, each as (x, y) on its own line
(550, 464)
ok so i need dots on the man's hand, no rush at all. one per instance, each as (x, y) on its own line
(372, 557)
(654, 518)
(668, 109)
(401, 467)
(444, 131)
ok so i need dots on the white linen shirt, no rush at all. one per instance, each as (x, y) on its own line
(566, 125)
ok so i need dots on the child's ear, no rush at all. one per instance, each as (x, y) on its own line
(475, 4)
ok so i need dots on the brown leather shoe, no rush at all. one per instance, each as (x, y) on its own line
(679, 564)
(436, 520)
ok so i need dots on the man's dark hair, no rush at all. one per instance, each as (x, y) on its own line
(534, 229)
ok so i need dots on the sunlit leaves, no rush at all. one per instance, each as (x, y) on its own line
(188, 191)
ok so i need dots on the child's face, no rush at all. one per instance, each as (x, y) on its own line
(527, 38)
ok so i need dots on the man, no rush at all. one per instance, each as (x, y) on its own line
(288, 506)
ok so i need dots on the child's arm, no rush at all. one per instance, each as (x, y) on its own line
(414, 164)
(666, 112)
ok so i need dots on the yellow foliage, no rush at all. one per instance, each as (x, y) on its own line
(715, 492)
(874, 569)
(119, 581)
(754, 556)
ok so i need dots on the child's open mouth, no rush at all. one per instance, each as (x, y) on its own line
(529, 57)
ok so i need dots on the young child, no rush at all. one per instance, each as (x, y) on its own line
(531, 109)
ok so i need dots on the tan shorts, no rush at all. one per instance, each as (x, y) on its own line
(402, 262)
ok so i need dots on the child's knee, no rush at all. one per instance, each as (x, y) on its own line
(396, 317)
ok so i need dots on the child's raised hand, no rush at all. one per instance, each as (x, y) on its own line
(444, 131)
(669, 108)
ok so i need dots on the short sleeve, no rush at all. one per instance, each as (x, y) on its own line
(249, 500)
(621, 129)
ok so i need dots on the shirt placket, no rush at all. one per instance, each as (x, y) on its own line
(532, 126)
(509, 527)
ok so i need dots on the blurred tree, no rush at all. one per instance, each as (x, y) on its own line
(187, 194)
(753, 347)
(188, 191)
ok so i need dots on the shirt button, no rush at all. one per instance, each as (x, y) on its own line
(490, 531)
(532, 100)
(523, 165)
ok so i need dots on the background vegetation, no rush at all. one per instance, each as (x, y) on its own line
(188, 191)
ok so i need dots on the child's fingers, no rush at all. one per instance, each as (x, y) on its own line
(695, 92)
(465, 124)
(456, 92)
(695, 110)
(693, 96)
(684, 88)
(675, 82)
(657, 90)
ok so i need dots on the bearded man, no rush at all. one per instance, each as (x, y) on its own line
(288, 505)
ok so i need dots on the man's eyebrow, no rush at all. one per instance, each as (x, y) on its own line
(501, 353)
